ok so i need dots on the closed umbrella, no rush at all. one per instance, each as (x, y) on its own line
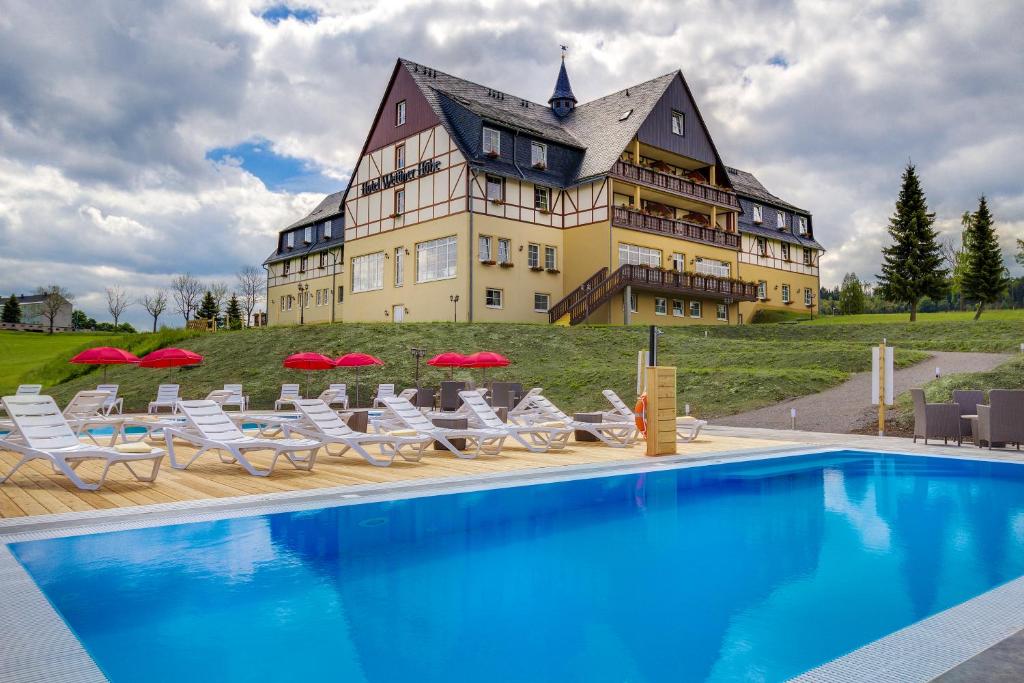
(104, 355)
(357, 360)
(308, 361)
(486, 359)
(448, 359)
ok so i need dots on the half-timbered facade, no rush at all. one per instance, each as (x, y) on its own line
(617, 210)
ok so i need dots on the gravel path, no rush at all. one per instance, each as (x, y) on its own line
(847, 407)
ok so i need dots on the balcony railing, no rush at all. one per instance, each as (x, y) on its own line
(634, 220)
(676, 185)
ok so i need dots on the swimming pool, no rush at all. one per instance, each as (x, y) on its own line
(744, 570)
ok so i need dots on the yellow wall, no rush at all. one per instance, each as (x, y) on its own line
(645, 314)
(775, 278)
(314, 313)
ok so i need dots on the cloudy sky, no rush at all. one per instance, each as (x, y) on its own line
(139, 140)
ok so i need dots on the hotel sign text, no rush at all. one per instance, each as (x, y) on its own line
(398, 177)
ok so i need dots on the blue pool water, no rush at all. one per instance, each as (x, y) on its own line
(741, 571)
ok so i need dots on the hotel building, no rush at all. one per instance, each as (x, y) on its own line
(472, 203)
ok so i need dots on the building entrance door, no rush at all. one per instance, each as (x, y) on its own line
(398, 313)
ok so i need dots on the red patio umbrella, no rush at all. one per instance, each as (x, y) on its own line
(308, 361)
(357, 360)
(170, 358)
(448, 359)
(104, 355)
(486, 359)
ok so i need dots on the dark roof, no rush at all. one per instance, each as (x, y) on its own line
(31, 298)
(563, 90)
(747, 185)
(330, 206)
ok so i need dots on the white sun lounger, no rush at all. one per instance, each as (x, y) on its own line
(687, 428)
(487, 441)
(542, 437)
(166, 397)
(322, 423)
(615, 434)
(523, 412)
(383, 391)
(237, 399)
(289, 393)
(340, 396)
(44, 434)
(28, 389)
(212, 430)
(113, 402)
(86, 410)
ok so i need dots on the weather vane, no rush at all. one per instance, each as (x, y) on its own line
(565, 48)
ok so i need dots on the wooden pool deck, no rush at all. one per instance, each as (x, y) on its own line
(36, 490)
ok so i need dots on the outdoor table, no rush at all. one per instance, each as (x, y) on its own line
(451, 423)
(358, 419)
(502, 413)
(973, 421)
(594, 418)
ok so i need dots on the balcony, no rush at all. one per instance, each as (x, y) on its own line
(634, 220)
(667, 182)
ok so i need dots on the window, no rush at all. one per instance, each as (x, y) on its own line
(327, 229)
(678, 262)
(541, 302)
(533, 256)
(721, 312)
(550, 258)
(341, 294)
(290, 240)
(694, 309)
(625, 115)
(323, 259)
(400, 113)
(762, 290)
(399, 202)
(435, 260)
(368, 272)
(708, 266)
(538, 154)
(492, 297)
(504, 251)
(495, 188)
(291, 300)
(303, 262)
(282, 303)
(660, 306)
(634, 255)
(541, 198)
(485, 248)
(307, 236)
(399, 157)
(762, 246)
(785, 294)
(678, 121)
(677, 308)
(780, 219)
(399, 266)
(318, 294)
(286, 267)
(802, 222)
(492, 142)
(785, 251)
(808, 297)
(634, 303)
(808, 257)
(757, 218)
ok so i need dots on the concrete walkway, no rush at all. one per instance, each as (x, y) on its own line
(847, 407)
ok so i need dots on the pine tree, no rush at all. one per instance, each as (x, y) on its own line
(208, 307)
(912, 264)
(851, 296)
(12, 310)
(234, 313)
(984, 278)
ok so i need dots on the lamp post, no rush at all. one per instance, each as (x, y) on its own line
(454, 298)
(418, 354)
(336, 259)
(302, 303)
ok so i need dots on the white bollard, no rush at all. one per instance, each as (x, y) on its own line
(938, 373)
(792, 418)
(686, 408)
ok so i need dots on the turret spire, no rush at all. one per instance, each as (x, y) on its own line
(562, 101)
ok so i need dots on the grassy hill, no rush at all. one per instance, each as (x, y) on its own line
(726, 371)
(1000, 315)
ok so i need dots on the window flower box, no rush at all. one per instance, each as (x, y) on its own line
(487, 262)
(497, 202)
(544, 212)
(493, 154)
(553, 270)
(506, 264)
(536, 269)
(395, 215)
(540, 166)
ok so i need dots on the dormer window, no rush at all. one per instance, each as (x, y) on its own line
(327, 229)
(400, 113)
(803, 225)
(492, 142)
(678, 123)
(625, 115)
(538, 155)
(780, 219)
(307, 235)
(756, 210)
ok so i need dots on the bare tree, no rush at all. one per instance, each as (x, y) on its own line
(250, 286)
(219, 290)
(54, 299)
(155, 304)
(117, 302)
(187, 290)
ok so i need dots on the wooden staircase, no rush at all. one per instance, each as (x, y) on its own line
(600, 287)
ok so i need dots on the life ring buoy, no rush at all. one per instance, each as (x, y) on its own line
(640, 412)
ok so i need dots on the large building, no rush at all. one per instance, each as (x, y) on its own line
(471, 203)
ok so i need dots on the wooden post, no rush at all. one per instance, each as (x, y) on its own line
(661, 411)
(881, 388)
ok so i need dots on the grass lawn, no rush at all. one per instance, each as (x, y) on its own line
(1012, 315)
